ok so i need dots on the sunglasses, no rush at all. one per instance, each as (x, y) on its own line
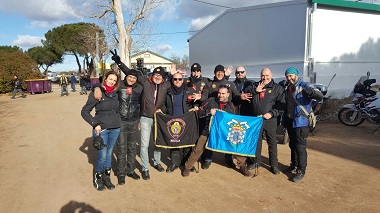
(195, 71)
(240, 72)
(177, 79)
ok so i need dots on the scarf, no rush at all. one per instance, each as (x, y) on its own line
(109, 89)
(177, 90)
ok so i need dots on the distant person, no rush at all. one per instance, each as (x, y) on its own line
(73, 81)
(106, 124)
(298, 95)
(63, 82)
(82, 84)
(17, 87)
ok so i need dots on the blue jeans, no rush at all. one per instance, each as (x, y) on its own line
(109, 137)
(146, 129)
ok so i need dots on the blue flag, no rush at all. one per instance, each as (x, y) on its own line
(234, 134)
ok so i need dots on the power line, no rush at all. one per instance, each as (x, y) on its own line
(171, 33)
(217, 5)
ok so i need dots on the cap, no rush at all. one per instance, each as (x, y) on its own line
(159, 70)
(219, 68)
(132, 72)
(196, 67)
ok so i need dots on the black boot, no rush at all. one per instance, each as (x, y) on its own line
(98, 182)
(107, 179)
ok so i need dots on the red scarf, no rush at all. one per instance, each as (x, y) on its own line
(109, 89)
(222, 105)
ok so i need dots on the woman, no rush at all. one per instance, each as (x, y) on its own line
(106, 124)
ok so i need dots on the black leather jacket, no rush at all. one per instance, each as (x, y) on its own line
(129, 101)
(272, 100)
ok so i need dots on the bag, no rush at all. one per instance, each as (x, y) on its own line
(310, 115)
(312, 119)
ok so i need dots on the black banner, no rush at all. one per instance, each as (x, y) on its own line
(176, 132)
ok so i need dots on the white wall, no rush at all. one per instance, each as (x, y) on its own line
(257, 36)
(345, 43)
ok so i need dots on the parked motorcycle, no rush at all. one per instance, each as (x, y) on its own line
(366, 104)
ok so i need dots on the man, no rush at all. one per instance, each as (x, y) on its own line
(17, 87)
(196, 84)
(267, 99)
(129, 108)
(207, 109)
(177, 104)
(73, 81)
(63, 82)
(153, 100)
(82, 84)
(241, 82)
(211, 91)
(298, 93)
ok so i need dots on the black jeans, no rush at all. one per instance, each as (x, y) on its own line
(269, 129)
(297, 145)
(126, 148)
(176, 158)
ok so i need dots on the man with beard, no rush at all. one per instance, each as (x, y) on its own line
(298, 93)
(267, 100)
(207, 109)
(241, 82)
(211, 91)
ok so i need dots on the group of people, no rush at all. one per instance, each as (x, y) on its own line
(122, 105)
(84, 83)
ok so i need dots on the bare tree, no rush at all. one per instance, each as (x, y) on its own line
(112, 14)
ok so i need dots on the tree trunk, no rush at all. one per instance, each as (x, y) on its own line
(123, 36)
(78, 62)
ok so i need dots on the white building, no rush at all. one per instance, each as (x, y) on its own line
(318, 37)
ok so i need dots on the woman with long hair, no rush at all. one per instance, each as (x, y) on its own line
(106, 125)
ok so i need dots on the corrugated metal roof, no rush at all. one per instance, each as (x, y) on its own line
(349, 4)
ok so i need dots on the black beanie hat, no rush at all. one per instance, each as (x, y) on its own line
(159, 70)
(132, 72)
(219, 68)
(195, 67)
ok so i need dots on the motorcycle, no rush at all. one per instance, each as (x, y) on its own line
(365, 106)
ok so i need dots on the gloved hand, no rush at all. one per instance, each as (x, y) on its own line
(115, 57)
(307, 92)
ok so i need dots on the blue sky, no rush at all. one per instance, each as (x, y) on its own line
(24, 22)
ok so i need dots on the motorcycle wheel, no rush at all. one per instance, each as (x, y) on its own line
(344, 117)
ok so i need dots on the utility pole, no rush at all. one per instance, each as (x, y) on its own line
(97, 54)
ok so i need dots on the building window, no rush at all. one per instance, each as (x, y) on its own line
(146, 55)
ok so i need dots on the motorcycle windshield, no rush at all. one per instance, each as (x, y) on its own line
(360, 81)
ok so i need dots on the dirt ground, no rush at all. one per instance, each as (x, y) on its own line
(47, 158)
